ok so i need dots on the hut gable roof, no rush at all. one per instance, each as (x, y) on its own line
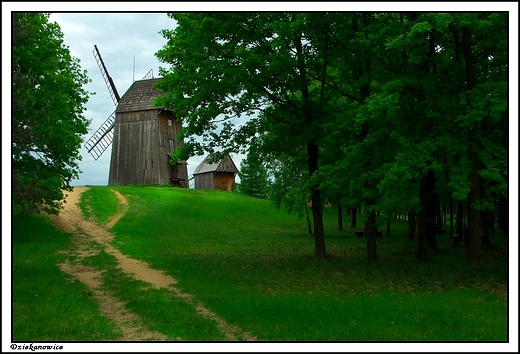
(224, 165)
(139, 96)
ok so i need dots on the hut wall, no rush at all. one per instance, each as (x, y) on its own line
(204, 181)
(140, 149)
(224, 181)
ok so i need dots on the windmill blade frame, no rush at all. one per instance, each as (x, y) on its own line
(102, 138)
(106, 76)
(97, 144)
(149, 75)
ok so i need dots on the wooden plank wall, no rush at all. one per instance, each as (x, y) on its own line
(204, 181)
(140, 148)
(224, 181)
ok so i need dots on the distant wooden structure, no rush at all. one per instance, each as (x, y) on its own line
(144, 137)
(219, 176)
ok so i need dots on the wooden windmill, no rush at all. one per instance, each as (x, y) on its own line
(142, 136)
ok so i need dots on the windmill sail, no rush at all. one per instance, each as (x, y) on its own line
(149, 75)
(102, 138)
(104, 72)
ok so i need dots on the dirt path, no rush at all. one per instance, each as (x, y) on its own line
(71, 220)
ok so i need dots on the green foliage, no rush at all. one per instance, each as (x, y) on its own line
(227, 66)
(385, 97)
(230, 67)
(47, 119)
(253, 175)
(288, 188)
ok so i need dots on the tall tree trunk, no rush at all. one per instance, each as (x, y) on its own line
(460, 218)
(340, 217)
(426, 228)
(473, 214)
(438, 213)
(370, 227)
(353, 220)
(422, 232)
(444, 212)
(431, 213)
(484, 222)
(370, 224)
(484, 217)
(317, 215)
(388, 227)
(363, 67)
(370, 234)
(504, 218)
(474, 193)
(450, 202)
(491, 224)
(309, 225)
(449, 205)
(411, 225)
(312, 157)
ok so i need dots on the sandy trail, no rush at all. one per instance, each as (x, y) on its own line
(86, 232)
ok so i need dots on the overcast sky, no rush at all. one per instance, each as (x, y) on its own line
(122, 36)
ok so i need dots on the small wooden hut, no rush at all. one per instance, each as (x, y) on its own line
(219, 176)
(144, 137)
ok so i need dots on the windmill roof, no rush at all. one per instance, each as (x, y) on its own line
(139, 96)
(224, 165)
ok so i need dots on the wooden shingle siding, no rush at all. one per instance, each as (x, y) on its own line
(139, 96)
(227, 165)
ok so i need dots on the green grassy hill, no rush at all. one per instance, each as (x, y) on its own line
(253, 265)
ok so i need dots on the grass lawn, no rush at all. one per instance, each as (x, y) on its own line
(47, 304)
(253, 266)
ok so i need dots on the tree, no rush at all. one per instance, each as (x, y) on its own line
(232, 65)
(482, 118)
(47, 114)
(288, 185)
(253, 175)
(391, 112)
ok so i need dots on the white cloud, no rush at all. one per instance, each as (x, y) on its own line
(69, 27)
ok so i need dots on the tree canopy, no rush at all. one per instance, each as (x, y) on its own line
(388, 112)
(253, 175)
(47, 114)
